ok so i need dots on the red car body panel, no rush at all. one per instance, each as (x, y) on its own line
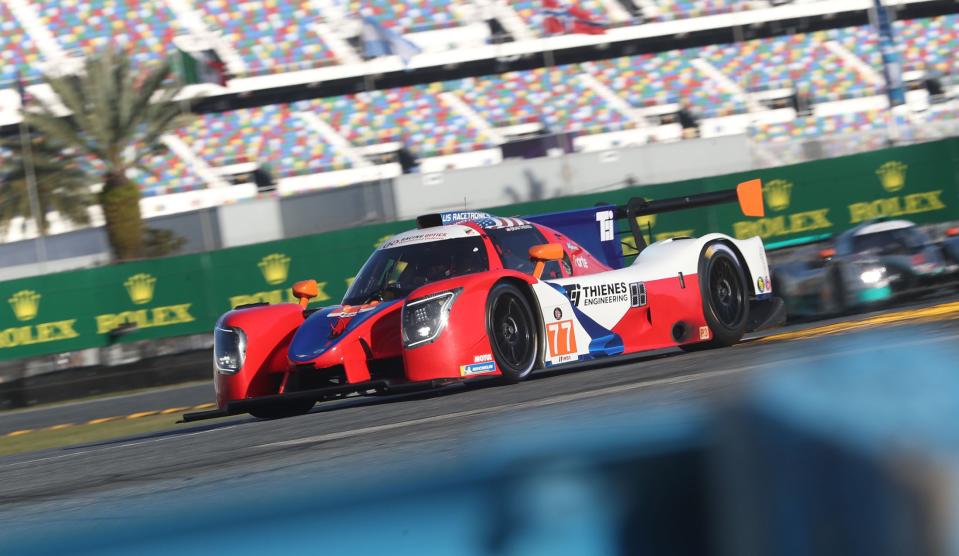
(268, 330)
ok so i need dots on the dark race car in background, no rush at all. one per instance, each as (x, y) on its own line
(873, 264)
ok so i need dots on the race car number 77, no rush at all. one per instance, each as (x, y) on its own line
(561, 339)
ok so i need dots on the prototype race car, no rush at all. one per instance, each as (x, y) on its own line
(471, 295)
(872, 264)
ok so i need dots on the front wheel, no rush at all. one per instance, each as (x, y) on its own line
(512, 332)
(723, 286)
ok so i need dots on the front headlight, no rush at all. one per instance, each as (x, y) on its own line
(424, 318)
(872, 276)
(229, 349)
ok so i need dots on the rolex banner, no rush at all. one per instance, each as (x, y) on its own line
(186, 294)
(174, 296)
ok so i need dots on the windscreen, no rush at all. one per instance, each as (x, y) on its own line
(903, 240)
(394, 273)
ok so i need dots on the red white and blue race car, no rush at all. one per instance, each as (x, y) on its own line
(470, 295)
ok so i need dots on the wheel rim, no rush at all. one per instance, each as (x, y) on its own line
(512, 332)
(726, 292)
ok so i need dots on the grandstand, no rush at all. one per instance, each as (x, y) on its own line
(746, 87)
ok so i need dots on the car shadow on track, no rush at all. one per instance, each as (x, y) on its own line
(370, 401)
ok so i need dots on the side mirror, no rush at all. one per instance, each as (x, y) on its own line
(750, 196)
(544, 253)
(827, 253)
(305, 290)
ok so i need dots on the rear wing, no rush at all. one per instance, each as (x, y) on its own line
(594, 228)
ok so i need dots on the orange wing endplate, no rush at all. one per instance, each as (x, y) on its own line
(750, 195)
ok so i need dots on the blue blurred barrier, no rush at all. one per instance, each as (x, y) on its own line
(853, 455)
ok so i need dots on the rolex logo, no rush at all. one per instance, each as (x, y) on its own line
(892, 176)
(777, 193)
(275, 268)
(140, 288)
(26, 304)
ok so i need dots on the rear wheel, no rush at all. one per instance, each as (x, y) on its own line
(284, 409)
(724, 289)
(512, 332)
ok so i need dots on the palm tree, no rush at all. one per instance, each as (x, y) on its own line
(62, 185)
(116, 116)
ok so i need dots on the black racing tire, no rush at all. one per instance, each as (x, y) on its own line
(512, 332)
(725, 293)
(281, 410)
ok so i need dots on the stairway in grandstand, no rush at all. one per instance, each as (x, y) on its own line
(744, 87)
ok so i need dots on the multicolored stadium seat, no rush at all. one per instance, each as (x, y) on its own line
(409, 16)
(146, 29)
(498, 98)
(273, 135)
(166, 174)
(17, 50)
(665, 78)
(278, 35)
(931, 44)
(790, 61)
(270, 35)
(927, 44)
(684, 9)
(553, 97)
(809, 127)
(415, 116)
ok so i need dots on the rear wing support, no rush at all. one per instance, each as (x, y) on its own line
(748, 194)
(593, 227)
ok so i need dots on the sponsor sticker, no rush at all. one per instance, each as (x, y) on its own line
(605, 218)
(703, 332)
(455, 217)
(350, 311)
(637, 294)
(557, 313)
(561, 337)
(599, 294)
(761, 284)
(483, 358)
(477, 368)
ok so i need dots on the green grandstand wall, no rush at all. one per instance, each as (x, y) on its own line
(184, 295)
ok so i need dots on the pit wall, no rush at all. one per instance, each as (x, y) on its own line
(184, 295)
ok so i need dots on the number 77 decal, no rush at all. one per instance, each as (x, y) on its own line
(561, 338)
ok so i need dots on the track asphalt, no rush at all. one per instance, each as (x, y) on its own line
(360, 437)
